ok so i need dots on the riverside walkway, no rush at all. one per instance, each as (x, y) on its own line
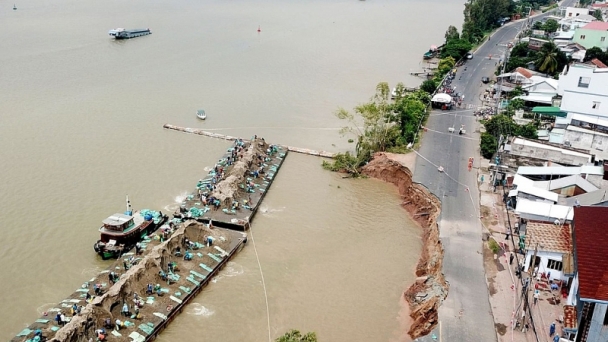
(138, 295)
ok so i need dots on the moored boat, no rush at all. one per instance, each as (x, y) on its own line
(120, 232)
(201, 114)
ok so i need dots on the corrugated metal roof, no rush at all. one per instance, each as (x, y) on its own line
(538, 192)
(560, 170)
(591, 239)
(544, 209)
(590, 198)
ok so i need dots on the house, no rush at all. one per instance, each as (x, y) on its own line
(584, 97)
(536, 43)
(519, 77)
(589, 290)
(549, 152)
(575, 12)
(592, 34)
(602, 7)
(575, 51)
(540, 91)
(552, 245)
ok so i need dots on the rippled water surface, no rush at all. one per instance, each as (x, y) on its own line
(81, 122)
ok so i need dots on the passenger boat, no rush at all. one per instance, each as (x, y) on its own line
(120, 232)
(201, 114)
(121, 33)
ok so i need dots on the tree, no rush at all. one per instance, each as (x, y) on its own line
(451, 34)
(488, 145)
(529, 131)
(538, 25)
(456, 48)
(410, 111)
(501, 125)
(520, 50)
(597, 14)
(428, 86)
(516, 92)
(596, 52)
(547, 59)
(550, 26)
(445, 65)
(296, 336)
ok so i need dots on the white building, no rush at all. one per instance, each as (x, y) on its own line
(584, 91)
(575, 12)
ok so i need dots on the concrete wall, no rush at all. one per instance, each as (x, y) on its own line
(573, 294)
(575, 12)
(596, 143)
(544, 258)
(546, 154)
(591, 38)
(597, 330)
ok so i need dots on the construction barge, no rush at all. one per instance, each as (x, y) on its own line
(141, 293)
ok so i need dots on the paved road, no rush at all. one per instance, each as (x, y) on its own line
(466, 314)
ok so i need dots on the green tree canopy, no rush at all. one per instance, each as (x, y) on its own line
(428, 86)
(597, 14)
(456, 48)
(451, 34)
(296, 336)
(596, 52)
(520, 50)
(550, 59)
(488, 145)
(550, 26)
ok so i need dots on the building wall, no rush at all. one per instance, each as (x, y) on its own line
(575, 12)
(573, 294)
(596, 143)
(597, 330)
(544, 260)
(546, 154)
(591, 38)
(582, 102)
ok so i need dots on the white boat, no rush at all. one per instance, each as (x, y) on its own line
(201, 114)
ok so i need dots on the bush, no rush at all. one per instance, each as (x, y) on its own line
(493, 245)
(488, 145)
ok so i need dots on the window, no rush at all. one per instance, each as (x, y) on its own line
(582, 36)
(583, 82)
(596, 105)
(603, 39)
(554, 265)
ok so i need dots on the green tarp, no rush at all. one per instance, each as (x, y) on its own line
(551, 111)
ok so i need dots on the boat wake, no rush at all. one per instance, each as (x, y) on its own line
(197, 309)
(178, 202)
(269, 212)
(232, 269)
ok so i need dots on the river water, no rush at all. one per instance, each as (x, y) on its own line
(81, 122)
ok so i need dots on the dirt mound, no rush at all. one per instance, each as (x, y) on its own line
(135, 281)
(227, 190)
(430, 289)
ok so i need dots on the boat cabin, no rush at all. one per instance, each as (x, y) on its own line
(118, 222)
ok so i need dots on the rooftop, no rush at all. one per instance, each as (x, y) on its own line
(591, 243)
(117, 219)
(560, 170)
(598, 63)
(549, 237)
(525, 72)
(596, 25)
(528, 208)
(590, 198)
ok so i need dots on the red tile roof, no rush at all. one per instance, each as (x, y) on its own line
(599, 5)
(596, 25)
(525, 72)
(550, 238)
(591, 243)
(598, 63)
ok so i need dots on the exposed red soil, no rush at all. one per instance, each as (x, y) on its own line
(430, 288)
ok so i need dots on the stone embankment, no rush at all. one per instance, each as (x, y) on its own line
(430, 289)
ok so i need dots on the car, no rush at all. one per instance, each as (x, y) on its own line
(469, 55)
(485, 79)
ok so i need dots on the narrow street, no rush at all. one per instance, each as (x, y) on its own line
(466, 314)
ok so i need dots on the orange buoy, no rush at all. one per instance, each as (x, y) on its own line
(259, 29)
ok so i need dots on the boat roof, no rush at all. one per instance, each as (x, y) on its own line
(200, 111)
(117, 219)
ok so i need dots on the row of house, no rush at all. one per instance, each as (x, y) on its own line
(563, 233)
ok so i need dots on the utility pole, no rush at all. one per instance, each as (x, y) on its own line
(527, 290)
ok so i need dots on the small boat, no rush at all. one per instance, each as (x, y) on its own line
(120, 232)
(201, 114)
(14, 7)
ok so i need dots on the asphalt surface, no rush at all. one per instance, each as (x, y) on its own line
(466, 314)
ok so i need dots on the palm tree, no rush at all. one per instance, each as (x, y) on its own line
(546, 60)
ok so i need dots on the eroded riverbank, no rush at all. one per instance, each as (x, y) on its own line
(430, 288)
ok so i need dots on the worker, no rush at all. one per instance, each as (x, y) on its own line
(125, 309)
